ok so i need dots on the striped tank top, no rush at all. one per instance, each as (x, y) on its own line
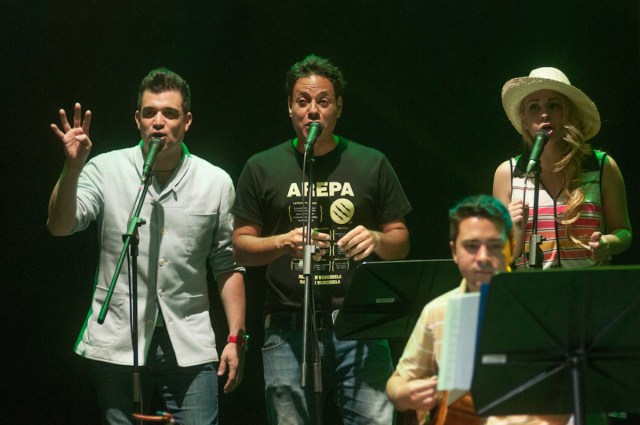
(558, 249)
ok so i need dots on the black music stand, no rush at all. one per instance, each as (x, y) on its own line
(560, 342)
(385, 298)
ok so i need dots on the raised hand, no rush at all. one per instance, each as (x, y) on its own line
(75, 140)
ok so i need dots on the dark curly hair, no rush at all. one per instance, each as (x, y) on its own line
(315, 65)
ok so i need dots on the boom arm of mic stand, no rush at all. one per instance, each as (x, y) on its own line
(134, 222)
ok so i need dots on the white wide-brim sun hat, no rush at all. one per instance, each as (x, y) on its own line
(547, 78)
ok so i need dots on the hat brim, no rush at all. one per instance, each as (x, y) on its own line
(516, 89)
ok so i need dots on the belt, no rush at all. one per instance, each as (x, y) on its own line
(295, 321)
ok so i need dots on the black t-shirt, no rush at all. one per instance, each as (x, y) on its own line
(356, 185)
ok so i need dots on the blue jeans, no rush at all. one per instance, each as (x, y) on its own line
(190, 394)
(354, 375)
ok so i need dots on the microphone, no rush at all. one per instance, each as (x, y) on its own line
(315, 129)
(155, 146)
(541, 139)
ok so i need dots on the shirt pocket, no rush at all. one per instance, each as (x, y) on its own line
(115, 322)
(199, 230)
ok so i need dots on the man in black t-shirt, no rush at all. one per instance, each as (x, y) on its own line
(358, 208)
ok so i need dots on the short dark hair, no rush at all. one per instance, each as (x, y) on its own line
(315, 65)
(162, 79)
(479, 206)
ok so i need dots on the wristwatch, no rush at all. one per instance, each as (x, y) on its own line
(242, 339)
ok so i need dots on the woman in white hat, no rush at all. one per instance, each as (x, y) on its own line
(582, 206)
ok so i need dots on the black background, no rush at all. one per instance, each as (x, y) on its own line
(424, 80)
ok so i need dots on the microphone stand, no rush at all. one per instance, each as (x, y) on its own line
(536, 256)
(309, 302)
(130, 242)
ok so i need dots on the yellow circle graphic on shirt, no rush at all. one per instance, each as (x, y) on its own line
(342, 211)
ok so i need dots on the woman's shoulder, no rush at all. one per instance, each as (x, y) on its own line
(506, 167)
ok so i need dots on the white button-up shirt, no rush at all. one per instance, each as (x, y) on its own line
(188, 224)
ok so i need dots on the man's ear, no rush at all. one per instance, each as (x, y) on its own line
(137, 117)
(188, 121)
(452, 246)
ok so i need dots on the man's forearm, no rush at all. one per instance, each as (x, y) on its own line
(63, 203)
(257, 251)
(393, 244)
(232, 295)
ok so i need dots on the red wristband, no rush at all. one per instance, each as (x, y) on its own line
(236, 339)
(242, 340)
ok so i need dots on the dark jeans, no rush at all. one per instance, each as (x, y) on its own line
(354, 374)
(189, 393)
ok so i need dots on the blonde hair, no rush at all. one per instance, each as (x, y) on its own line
(570, 165)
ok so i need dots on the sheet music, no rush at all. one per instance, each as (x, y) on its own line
(459, 343)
